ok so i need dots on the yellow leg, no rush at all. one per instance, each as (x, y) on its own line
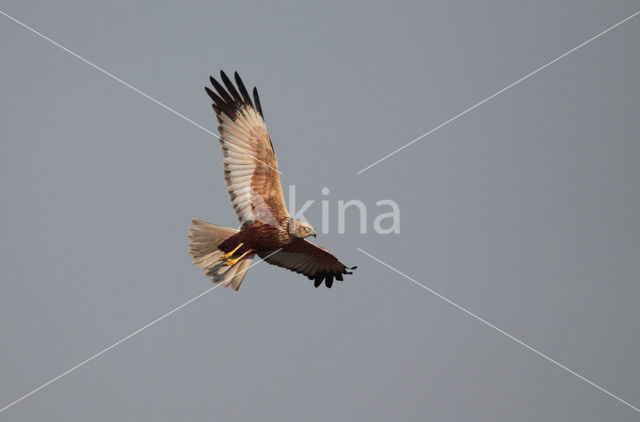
(227, 255)
(233, 261)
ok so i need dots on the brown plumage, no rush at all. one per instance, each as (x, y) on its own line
(253, 183)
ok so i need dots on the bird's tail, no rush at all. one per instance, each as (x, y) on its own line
(205, 239)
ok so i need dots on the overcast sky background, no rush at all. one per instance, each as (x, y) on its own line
(524, 211)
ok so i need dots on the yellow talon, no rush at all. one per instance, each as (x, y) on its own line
(233, 261)
(227, 255)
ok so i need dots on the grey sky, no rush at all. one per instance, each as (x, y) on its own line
(525, 211)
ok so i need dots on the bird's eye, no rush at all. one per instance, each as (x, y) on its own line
(307, 229)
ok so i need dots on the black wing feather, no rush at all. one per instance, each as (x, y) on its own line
(229, 100)
(232, 89)
(243, 90)
(217, 101)
(256, 99)
(329, 280)
(221, 91)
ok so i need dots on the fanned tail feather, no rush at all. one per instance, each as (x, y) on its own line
(205, 239)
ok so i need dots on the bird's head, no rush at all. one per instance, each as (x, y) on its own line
(301, 229)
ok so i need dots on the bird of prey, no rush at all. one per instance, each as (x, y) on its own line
(253, 183)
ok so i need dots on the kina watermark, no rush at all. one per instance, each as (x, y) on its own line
(384, 218)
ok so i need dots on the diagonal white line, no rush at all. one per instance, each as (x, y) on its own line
(441, 125)
(122, 340)
(490, 325)
(166, 107)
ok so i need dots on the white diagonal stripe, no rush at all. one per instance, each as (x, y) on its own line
(441, 125)
(122, 340)
(166, 107)
(490, 325)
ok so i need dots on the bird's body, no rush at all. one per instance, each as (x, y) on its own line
(253, 183)
(258, 236)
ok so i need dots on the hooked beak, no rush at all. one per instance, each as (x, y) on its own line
(314, 235)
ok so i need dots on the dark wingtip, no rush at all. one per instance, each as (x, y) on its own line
(210, 93)
(346, 271)
(243, 90)
(256, 100)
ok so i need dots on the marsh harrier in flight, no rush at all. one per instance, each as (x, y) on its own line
(253, 183)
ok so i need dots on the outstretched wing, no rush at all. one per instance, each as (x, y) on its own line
(310, 260)
(250, 166)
